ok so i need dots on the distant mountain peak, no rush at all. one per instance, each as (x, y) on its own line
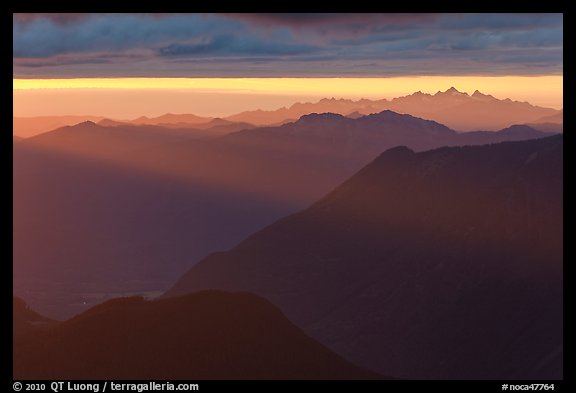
(333, 100)
(318, 117)
(456, 109)
(395, 116)
(398, 151)
(479, 95)
(452, 91)
(88, 123)
(387, 114)
(355, 115)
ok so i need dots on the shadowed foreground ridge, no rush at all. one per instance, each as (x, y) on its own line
(25, 320)
(445, 264)
(206, 335)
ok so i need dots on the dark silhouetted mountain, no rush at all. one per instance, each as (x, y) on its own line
(207, 335)
(101, 212)
(334, 136)
(455, 109)
(445, 264)
(328, 134)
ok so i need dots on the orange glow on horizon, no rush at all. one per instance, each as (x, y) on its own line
(538, 90)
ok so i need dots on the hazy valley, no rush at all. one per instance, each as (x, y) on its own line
(180, 195)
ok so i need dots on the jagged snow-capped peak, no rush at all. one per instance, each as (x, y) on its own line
(454, 92)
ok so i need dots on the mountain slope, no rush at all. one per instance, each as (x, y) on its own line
(88, 228)
(441, 264)
(170, 118)
(29, 126)
(207, 335)
(557, 118)
(91, 139)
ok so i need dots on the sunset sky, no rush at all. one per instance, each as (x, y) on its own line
(126, 65)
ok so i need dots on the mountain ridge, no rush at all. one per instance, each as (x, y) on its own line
(429, 265)
(483, 111)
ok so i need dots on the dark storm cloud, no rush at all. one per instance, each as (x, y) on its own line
(234, 45)
(505, 21)
(286, 44)
(67, 18)
(43, 37)
(335, 21)
(55, 18)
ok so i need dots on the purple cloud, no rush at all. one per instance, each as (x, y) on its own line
(286, 44)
